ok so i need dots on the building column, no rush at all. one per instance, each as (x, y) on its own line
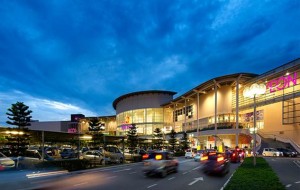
(198, 127)
(185, 115)
(216, 107)
(237, 113)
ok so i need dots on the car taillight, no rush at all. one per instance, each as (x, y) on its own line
(158, 157)
(204, 158)
(233, 154)
(145, 156)
(220, 159)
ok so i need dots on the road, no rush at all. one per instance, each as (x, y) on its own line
(287, 169)
(125, 177)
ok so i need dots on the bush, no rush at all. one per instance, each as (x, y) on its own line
(259, 177)
(179, 153)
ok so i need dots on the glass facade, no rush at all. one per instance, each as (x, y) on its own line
(146, 120)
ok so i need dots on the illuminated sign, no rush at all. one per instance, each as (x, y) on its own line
(282, 83)
(72, 130)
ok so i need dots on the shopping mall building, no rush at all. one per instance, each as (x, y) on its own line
(218, 112)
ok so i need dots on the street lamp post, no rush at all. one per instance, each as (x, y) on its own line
(254, 91)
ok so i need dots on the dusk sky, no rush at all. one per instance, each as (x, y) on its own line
(62, 57)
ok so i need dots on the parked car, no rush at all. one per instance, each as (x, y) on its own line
(114, 153)
(135, 155)
(31, 158)
(95, 157)
(161, 163)
(215, 163)
(68, 153)
(288, 152)
(6, 162)
(271, 152)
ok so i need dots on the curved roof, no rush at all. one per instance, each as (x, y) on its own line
(222, 80)
(116, 101)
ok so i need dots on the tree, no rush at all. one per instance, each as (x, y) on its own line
(158, 138)
(185, 143)
(173, 139)
(96, 128)
(132, 138)
(19, 115)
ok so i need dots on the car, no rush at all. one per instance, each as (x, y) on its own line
(237, 155)
(30, 159)
(198, 155)
(271, 152)
(215, 163)
(135, 155)
(95, 157)
(6, 163)
(68, 153)
(288, 152)
(160, 163)
(189, 154)
(114, 153)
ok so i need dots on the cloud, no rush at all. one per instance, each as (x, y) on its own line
(43, 109)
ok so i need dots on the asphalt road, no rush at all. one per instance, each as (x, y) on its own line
(125, 177)
(288, 171)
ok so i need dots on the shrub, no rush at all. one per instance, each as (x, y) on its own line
(259, 177)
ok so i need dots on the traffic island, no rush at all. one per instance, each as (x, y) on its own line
(259, 177)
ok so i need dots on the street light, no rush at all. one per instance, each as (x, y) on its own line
(254, 91)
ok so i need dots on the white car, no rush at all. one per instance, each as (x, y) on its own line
(189, 154)
(271, 152)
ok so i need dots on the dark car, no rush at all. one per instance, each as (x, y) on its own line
(215, 163)
(287, 152)
(68, 153)
(160, 163)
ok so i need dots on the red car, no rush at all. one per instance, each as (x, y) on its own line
(237, 155)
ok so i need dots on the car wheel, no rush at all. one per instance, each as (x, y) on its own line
(163, 173)
(274, 154)
(121, 160)
(176, 170)
(101, 162)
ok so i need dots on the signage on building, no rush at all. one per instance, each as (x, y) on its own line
(282, 82)
(72, 130)
(248, 117)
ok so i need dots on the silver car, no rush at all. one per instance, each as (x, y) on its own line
(95, 157)
(6, 163)
(114, 153)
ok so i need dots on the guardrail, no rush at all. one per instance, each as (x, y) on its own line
(281, 138)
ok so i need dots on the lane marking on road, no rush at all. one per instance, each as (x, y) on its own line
(110, 177)
(80, 184)
(297, 164)
(185, 173)
(227, 181)
(171, 178)
(297, 182)
(197, 168)
(151, 186)
(185, 161)
(288, 185)
(196, 180)
(132, 172)
(127, 169)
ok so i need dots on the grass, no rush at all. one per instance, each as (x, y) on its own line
(259, 177)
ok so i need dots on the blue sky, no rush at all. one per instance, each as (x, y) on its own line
(77, 56)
